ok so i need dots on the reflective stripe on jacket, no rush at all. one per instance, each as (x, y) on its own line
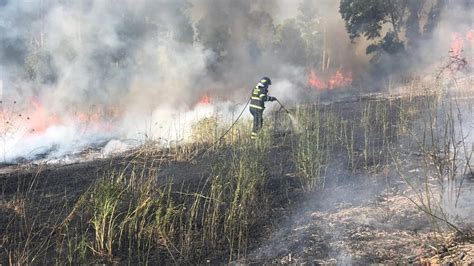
(259, 97)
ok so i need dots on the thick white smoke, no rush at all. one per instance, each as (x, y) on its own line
(90, 58)
(76, 72)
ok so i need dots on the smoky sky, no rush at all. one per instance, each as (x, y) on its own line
(143, 54)
(151, 61)
(146, 54)
(92, 51)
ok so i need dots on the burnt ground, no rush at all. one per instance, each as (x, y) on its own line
(358, 218)
(354, 220)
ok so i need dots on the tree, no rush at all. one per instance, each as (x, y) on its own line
(218, 31)
(367, 17)
(384, 61)
(394, 27)
(290, 45)
(310, 23)
(400, 18)
(237, 31)
(413, 32)
(433, 17)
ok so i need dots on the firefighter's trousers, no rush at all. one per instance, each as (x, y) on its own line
(257, 121)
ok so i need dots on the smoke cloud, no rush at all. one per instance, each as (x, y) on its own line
(97, 70)
(78, 72)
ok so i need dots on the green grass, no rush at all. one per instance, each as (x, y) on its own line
(130, 214)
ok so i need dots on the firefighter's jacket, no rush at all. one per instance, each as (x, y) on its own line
(259, 97)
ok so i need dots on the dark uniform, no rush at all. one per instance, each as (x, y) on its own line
(257, 104)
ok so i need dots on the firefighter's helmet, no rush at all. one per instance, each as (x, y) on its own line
(266, 81)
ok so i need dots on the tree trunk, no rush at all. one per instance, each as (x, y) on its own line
(324, 50)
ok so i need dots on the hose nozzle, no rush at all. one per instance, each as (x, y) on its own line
(282, 107)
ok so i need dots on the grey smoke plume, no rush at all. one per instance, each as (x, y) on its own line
(78, 57)
(140, 64)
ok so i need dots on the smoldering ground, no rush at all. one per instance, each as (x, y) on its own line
(380, 216)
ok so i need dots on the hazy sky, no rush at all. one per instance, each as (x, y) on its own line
(286, 9)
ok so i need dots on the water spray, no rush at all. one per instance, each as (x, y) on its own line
(294, 122)
(292, 118)
(283, 107)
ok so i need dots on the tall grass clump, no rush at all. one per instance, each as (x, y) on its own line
(236, 195)
(136, 211)
(104, 207)
(439, 136)
(311, 146)
(205, 131)
(246, 184)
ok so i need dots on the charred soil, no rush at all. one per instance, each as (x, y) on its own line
(244, 202)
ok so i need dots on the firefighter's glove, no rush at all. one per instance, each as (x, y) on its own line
(271, 99)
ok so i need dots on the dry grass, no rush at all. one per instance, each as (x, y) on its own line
(133, 212)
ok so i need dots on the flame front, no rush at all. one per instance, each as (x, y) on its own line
(459, 41)
(316, 82)
(39, 119)
(470, 35)
(338, 80)
(457, 45)
(205, 99)
(35, 119)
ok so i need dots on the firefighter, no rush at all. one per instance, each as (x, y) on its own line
(257, 104)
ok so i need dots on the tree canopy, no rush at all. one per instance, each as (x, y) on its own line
(395, 27)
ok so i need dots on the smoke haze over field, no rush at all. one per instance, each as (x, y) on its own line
(103, 69)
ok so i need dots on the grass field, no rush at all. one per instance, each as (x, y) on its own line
(153, 205)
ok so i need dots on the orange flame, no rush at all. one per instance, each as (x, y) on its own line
(470, 35)
(315, 81)
(36, 119)
(457, 45)
(39, 119)
(338, 80)
(205, 99)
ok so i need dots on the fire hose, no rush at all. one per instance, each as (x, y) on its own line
(223, 135)
(282, 107)
(231, 127)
